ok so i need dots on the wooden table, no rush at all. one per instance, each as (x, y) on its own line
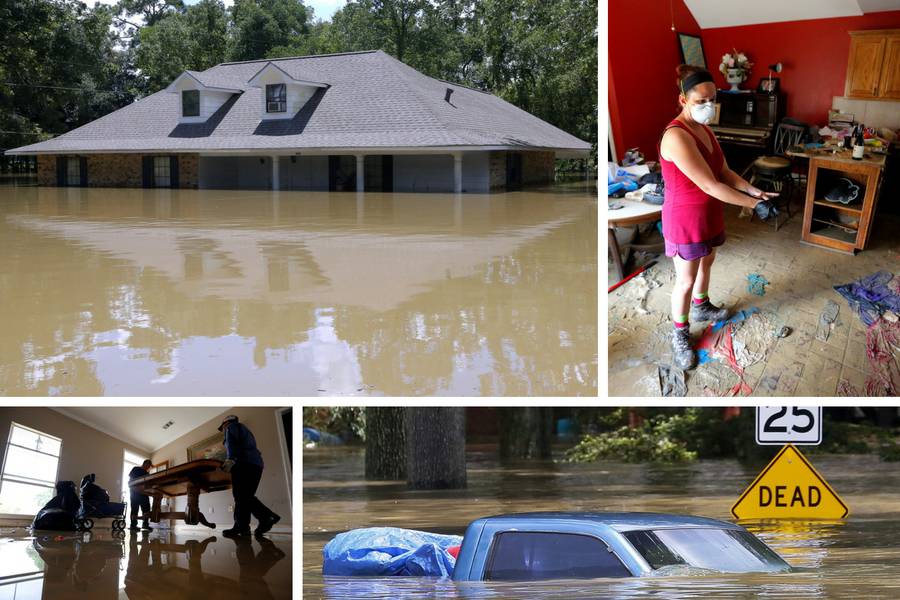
(190, 479)
(818, 228)
(633, 212)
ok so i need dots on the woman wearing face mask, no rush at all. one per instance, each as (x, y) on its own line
(697, 182)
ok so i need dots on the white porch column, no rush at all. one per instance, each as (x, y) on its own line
(275, 182)
(360, 173)
(457, 172)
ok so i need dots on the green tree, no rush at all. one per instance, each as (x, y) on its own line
(150, 12)
(59, 68)
(193, 40)
(259, 26)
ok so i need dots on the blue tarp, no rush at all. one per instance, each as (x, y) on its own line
(377, 551)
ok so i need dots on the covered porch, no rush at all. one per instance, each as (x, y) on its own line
(377, 171)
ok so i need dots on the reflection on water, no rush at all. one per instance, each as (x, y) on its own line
(105, 566)
(844, 559)
(184, 292)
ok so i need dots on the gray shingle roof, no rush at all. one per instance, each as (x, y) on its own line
(373, 101)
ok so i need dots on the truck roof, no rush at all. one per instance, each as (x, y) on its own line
(619, 521)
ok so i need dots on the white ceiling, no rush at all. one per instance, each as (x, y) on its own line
(142, 426)
(731, 13)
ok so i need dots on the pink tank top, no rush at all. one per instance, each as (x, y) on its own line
(689, 214)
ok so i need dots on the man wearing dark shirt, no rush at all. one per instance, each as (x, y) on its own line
(245, 464)
(139, 500)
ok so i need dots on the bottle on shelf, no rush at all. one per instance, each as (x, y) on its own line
(859, 143)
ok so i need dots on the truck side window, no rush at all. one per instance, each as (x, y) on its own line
(530, 555)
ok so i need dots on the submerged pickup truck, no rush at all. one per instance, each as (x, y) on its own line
(555, 545)
(593, 545)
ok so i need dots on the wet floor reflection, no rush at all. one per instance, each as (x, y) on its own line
(840, 559)
(179, 292)
(101, 565)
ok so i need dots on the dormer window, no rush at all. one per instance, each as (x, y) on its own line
(190, 103)
(276, 98)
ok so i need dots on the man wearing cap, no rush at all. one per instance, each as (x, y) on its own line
(245, 464)
(139, 500)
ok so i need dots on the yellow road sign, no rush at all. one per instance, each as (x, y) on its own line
(789, 488)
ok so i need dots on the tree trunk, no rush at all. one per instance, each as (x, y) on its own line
(525, 432)
(385, 443)
(436, 448)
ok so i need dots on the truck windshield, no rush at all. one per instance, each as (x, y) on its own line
(723, 550)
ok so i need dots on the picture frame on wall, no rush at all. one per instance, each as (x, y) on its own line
(212, 447)
(691, 50)
(768, 85)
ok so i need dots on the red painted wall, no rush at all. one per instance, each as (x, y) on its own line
(643, 55)
(814, 54)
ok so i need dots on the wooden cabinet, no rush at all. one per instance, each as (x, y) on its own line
(873, 70)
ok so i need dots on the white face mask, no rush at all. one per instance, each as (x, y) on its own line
(703, 113)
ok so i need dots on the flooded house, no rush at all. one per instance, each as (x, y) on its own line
(360, 121)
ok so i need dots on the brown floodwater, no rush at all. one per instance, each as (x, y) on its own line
(855, 558)
(185, 292)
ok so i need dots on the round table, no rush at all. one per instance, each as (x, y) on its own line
(633, 212)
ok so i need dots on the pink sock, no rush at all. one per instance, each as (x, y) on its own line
(699, 301)
(680, 325)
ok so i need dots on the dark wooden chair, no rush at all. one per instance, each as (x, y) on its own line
(775, 173)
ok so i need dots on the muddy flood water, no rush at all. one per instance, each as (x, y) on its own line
(856, 558)
(184, 292)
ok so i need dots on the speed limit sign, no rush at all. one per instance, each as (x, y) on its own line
(799, 425)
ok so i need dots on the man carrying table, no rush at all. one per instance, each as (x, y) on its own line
(245, 464)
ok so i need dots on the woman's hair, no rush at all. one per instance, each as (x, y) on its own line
(685, 80)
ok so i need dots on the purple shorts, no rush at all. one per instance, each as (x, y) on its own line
(694, 250)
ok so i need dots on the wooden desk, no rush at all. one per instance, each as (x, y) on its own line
(190, 479)
(632, 212)
(818, 228)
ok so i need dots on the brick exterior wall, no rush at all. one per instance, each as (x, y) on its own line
(497, 167)
(114, 170)
(119, 170)
(537, 168)
(46, 169)
(188, 171)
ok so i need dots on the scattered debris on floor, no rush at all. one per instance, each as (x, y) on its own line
(740, 342)
(783, 331)
(876, 299)
(846, 389)
(826, 320)
(883, 350)
(671, 381)
(872, 296)
(756, 284)
(642, 379)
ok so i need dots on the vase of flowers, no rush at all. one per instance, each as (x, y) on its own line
(735, 67)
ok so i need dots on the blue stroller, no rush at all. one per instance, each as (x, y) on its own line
(95, 504)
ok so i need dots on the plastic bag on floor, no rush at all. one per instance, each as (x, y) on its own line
(378, 551)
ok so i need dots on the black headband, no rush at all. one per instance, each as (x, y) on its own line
(693, 79)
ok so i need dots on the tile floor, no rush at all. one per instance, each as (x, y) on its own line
(801, 279)
(171, 565)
